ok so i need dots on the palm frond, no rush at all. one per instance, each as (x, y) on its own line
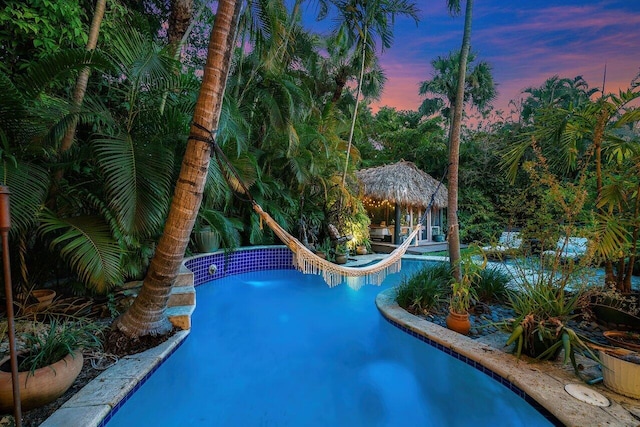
(137, 181)
(611, 236)
(60, 64)
(28, 184)
(86, 244)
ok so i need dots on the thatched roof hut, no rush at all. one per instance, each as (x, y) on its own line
(401, 183)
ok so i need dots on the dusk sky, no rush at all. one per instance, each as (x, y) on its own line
(526, 42)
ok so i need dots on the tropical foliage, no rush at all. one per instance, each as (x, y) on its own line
(295, 108)
(425, 290)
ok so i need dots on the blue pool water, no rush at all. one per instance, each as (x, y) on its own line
(278, 348)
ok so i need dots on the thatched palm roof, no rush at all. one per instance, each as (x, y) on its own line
(401, 183)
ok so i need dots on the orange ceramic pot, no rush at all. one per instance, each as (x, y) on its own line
(43, 386)
(459, 323)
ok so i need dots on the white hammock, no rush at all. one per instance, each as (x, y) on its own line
(309, 263)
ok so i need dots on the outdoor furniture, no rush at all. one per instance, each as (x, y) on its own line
(571, 248)
(509, 244)
(379, 233)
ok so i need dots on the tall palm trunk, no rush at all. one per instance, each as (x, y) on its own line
(83, 77)
(454, 148)
(147, 314)
(179, 21)
(355, 111)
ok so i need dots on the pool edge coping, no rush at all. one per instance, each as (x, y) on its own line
(543, 382)
(95, 403)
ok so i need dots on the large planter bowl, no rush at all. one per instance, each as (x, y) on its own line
(620, 376)
(624, 339)
(206, 240)
(341, 259)
(43, 386)
(614, 314)
(45, 298)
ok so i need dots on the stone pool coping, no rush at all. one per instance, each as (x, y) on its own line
(543, 382)
(92, 405)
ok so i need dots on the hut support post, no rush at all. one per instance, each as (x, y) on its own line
(396, 229)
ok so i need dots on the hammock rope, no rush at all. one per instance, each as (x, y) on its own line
(307, 262)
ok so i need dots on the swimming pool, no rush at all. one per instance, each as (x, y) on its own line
(281, 348)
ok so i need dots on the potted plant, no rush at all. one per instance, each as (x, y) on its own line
(540, 330)
(621, 371)
(341, 253)
(49, 361)
(438, 237)
(364, 246)
(462, 296)
(463, 293)
(206, 239)
(323, 249)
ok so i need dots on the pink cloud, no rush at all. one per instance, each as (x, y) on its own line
(529, 46)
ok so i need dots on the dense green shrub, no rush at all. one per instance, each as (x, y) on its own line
(425, 289)
(492, 285)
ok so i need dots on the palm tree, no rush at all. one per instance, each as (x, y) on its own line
(147, 314)
(83, 77)
(360, 23)
(556, 92)
(179, 21)
(453, 83)
(479, 87)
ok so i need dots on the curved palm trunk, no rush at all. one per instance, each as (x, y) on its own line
(454, 148)
(83, 77)
(147, 314)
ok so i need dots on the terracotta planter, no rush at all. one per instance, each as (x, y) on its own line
(624, 339)
(43, 386)
(459, 323)
(615, 314)
(321, 255)
(361, 250)
(45, 298)
(341, 259)
(621, 376)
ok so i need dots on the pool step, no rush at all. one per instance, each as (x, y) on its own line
(180, 316)
(185, 277)
(182, 295)
(182, 300)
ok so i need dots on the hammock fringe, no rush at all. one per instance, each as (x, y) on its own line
(309, 263)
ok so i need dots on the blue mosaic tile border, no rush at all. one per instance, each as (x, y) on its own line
(241, 261)
(144, 379)
(508, 384)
